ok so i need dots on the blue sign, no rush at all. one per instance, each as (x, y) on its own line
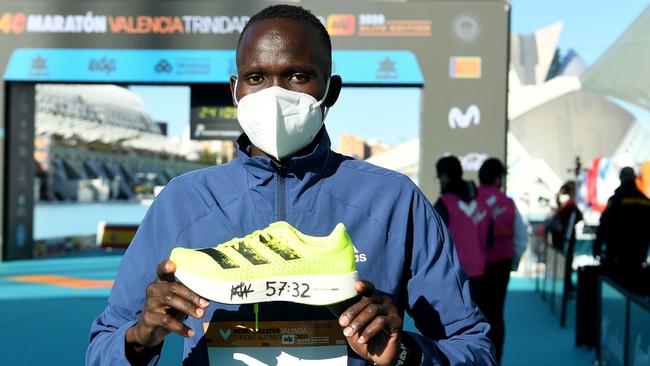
(191, 66)
(21, 235)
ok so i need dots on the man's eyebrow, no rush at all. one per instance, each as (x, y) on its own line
(307, 68)
(251, 69)
(284, 69)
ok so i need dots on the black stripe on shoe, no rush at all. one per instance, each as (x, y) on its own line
(223, 260)
(279, 248)
(250, 254)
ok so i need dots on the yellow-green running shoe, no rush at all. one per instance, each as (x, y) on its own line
(278, 263)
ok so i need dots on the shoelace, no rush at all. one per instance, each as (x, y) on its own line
(264, 237)
(251, 238)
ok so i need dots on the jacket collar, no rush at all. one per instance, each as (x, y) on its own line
(312, 159)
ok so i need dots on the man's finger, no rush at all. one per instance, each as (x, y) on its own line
(381, 324)
(183, 305)
(364, 288)
(172, 324)
(351, 312)
(153, 319)
(165, 271)
(183, 291)
(363, 318)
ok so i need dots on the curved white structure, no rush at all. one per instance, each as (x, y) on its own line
(105, 113)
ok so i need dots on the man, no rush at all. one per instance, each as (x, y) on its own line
(510, 240)
(283, 57)
(623, 232)
(467, 220)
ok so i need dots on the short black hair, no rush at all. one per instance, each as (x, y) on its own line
(451, 167)
(627, 175)
(283, 11)
(490, 170)
(569, 187)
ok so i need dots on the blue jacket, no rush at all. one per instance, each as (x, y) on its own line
(408, 252)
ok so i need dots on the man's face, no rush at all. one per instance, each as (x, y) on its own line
(444, 180)
(285, 53)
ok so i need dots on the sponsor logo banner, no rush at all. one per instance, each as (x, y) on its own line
(472, 162)
(466, 28)
(465, 67)
(337, 24)
(278, 343)
(274, 334)
(376, 25)
(341, 24)
(191, 66)
(89, 22)
(460, 119)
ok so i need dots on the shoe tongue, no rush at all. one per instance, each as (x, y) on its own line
(280, 227)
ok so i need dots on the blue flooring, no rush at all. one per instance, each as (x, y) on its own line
(48, 325)
(533, 333)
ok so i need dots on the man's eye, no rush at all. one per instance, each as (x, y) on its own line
(299, 78)
(255, 79)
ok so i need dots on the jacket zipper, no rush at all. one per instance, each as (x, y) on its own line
(282, 204)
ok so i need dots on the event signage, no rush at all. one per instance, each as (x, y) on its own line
(455, 51)
(396, 67)
(365, 25)
(213, 115)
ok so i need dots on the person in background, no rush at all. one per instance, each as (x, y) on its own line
(510, 241)
(562, 225)
(467, 219)
(623, 237)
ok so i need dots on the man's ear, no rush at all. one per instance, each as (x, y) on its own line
(335, 89)
(232, 88)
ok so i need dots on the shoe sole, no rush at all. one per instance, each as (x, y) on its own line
(304, 289)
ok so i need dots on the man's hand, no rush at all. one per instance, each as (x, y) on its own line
(168, 303)
(372, 326)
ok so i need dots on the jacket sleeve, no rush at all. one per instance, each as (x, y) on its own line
(453, 329)
(441, 209)
(602, 234)
(150, 246)
(520, 235)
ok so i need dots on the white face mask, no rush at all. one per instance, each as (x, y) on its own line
(564, 198)
(278, 121)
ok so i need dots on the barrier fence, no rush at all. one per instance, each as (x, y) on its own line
(609, 317)
(624, 326)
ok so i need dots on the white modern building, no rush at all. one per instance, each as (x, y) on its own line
(108, 114)
(559, 109)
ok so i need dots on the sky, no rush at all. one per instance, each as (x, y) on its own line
(395, 114)
(590, 27)
(169, 104)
